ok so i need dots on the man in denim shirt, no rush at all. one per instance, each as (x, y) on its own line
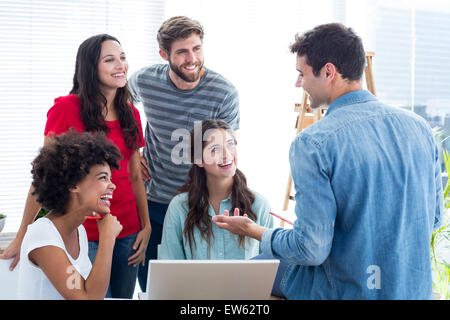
(368, 186)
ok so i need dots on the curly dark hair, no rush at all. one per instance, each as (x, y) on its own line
(65, 161)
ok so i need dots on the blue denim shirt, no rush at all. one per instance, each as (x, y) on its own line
(368, 195)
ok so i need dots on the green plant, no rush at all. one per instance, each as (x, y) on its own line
(2, 216)
(441, 268)
(440, 238)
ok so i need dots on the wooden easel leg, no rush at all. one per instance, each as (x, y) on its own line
(288, 193)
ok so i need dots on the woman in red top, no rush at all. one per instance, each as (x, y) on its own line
(101, 101)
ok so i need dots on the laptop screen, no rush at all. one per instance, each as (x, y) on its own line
(210, 279)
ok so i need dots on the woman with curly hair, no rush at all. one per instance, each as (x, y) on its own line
(100, 101)
(214, 186)
(72, 179)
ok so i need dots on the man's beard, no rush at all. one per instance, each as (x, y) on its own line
(191, 78)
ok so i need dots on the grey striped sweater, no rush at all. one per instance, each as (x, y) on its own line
(170, 112)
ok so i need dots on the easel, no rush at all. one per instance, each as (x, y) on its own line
(307, 116)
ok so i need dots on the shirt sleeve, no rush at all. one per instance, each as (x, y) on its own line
(263, 212)
(309, 242)
(171, 246)
(38, 235)
(229, 111)
(134, 88)
(56, 120)
(263, 208)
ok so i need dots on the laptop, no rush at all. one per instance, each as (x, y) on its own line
(210, 279)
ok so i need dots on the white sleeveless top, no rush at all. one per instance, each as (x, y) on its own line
(33, 283)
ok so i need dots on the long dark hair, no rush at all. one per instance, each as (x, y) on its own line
(93, 102)
(198, 195)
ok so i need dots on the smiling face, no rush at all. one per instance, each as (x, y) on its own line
(219, 154)
(95, 191)
(112, 66)
(314, 85)
(185, 60)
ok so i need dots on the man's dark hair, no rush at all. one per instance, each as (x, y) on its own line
(333, 43)
(67, 160)
(175, 28)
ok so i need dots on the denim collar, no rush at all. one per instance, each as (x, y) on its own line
(352, 97)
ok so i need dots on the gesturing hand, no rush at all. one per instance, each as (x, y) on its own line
(240, 225)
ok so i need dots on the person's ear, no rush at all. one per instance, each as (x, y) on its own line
(75, 189)
(199, 165)
(330, 70)
(163, 54)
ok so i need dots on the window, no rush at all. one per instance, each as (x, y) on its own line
(39, 44)
(411, 56)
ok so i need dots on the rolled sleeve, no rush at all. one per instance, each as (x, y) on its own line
(266, 243)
